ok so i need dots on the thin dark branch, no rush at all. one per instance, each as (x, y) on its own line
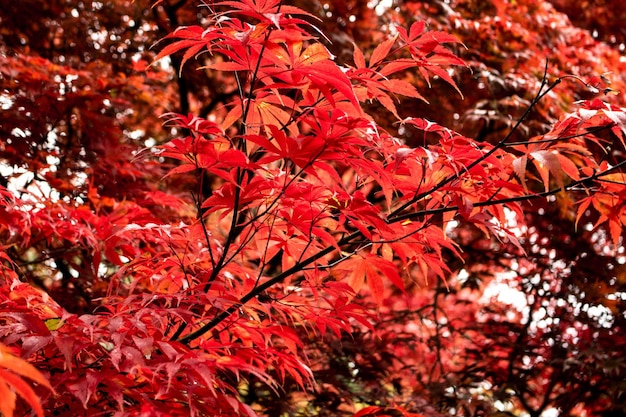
(264, 286)
(540, 94)
(570, 187)
(562, 138)
(235, 228)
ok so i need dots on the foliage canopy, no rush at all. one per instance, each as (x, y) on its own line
(311, 208)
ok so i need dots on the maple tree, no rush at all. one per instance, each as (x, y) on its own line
(311, 208)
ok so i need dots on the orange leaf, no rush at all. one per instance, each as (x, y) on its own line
(584, 205)
(548, 163)
(381, 51)
(371, 269)
(519, 166)
(10, 383)
(616, 228)
(21, 367)
(359, 59)
(7, 405)
(18, 385)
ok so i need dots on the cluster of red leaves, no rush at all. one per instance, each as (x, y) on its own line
(314, 210)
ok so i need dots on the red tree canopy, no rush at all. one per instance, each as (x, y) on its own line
(310, 208)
